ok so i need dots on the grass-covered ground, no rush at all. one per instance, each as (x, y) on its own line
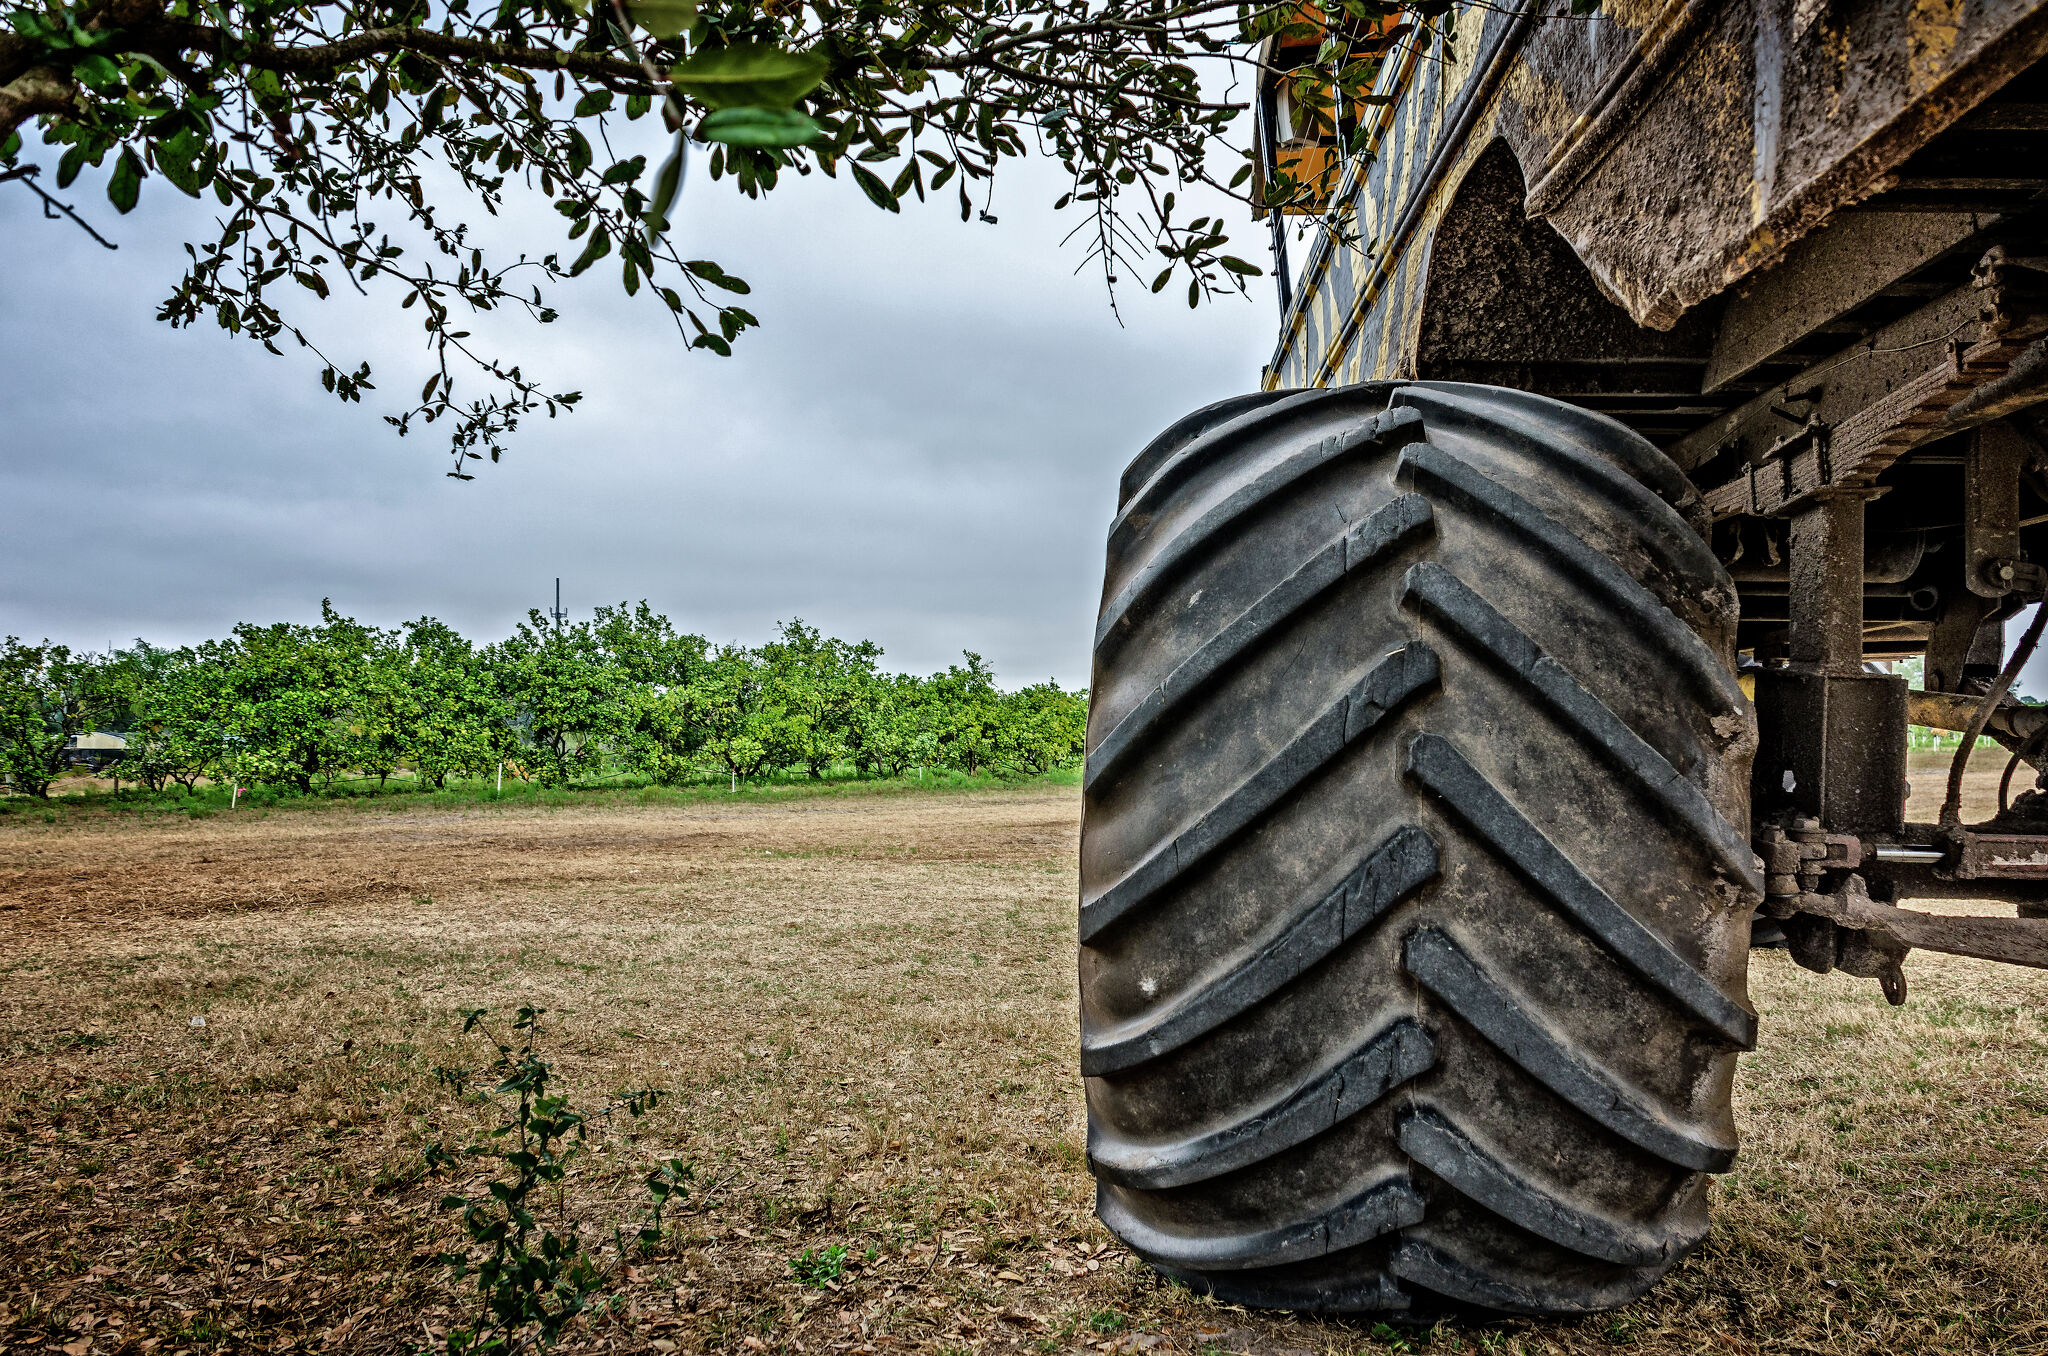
(83, 794)
(864, 1007)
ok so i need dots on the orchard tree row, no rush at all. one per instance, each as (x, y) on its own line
(302, 707)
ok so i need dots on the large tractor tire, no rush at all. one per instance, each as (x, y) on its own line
(1415, 872)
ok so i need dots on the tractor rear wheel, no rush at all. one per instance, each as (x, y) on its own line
(1415, 871)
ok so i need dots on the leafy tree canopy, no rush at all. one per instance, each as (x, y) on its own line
(304, 708)
(350, 143)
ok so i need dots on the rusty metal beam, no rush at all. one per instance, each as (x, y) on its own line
(1952, 711)
(1854, 415)
(2007, 118)
(2013, 941)
(1860, 448)
(1835, 387)
(1851, 260)
(1826, 559)
(1991, 509)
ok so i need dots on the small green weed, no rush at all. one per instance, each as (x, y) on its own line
(817, 1266)
(531, 1280)
(1391, 1338)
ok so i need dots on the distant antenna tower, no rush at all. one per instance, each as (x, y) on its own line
(557, 613)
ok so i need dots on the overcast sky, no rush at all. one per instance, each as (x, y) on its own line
(920, 446)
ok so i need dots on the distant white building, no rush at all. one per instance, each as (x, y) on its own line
(95, 749)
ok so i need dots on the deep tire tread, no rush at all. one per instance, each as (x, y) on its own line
(1415, 873)
(1465, 614)
(1357, 548)
(1441, 1145)
(1395, 870)
(1382, 1063)
(1381, 690)
(1388, 1204)
(1492, 1285)
(1169, 559)
(1510, 1024)
(1436, 763)
(1637, 607)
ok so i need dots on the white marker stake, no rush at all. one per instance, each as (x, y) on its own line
(501, 776)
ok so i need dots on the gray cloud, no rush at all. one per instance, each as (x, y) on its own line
(920, 447)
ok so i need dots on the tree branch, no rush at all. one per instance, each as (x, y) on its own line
(371, 42)
(26, 176)
(1108, 89)
(38, 90)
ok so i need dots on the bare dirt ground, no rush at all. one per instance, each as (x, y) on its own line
(865, 1011)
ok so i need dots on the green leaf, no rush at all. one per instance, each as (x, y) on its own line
(664, 19)
(578, 152)
(668, 181)
(877, 191)
(716, 276)
(97, 72)
(600, 245)
(1240, 267)
(626, 171)
(748, 75)
(1159, 283)
(126, 184)
(775, 128)
(1244, 172)
(187, 161)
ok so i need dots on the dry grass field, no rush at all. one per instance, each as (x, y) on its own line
(864, 1008)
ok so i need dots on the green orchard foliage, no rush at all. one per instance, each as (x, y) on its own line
(349, 146)
(966, 714)
(47, 695)
(658, 664)
(567, 699)
(455, 721)
(731, 708)
(300, 708)
(175, 735)
(1040, 728)
(294, 705)
(819, 686)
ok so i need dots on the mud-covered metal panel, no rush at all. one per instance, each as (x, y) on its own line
(1357, 305)
(1350, 316)
(1677, 145)
(1744, 126)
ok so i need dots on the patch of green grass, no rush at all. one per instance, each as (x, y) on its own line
(815, 1267)
(404, 793)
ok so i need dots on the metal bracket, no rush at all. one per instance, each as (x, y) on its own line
(1894, 931)
(1999, 856)
(1991, 511)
